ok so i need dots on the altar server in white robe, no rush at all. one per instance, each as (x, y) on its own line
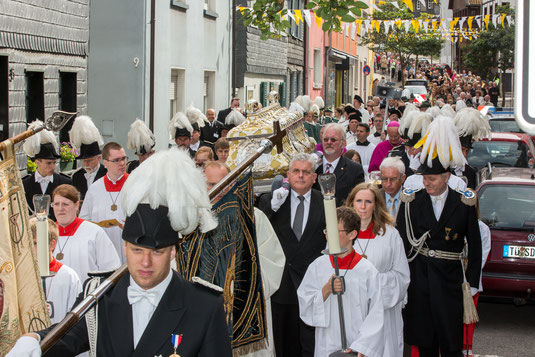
(362, 298)
(380, 243)
(102, 203)
(362, 145)
(81, 245)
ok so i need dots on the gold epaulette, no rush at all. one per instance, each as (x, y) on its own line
(408, 194)
(468, 196)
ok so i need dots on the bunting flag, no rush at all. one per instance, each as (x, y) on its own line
(291, 16)
(502, 19)
(409, 4)
(318, 21)
(469, 21)
(375, 7)
(399, 23)
(509, 19)
(415, 25)
(423, 3)
(486, 20)
(306, 13)
(495, 20)
(298, 16)
(478, 20)
(359, 24)
(395, 3)
(453, 23)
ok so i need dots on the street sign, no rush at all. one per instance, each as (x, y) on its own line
(366, 70)
(524, 68)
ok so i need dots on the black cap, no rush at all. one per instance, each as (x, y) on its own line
(435, 169)
(141, 150)
(349, 109)
(358, 98)
(328, 110)
(89, 150)
(425, 104)
(466, 141)
(394, 111)
(182, 132)
(195, 127)
(355, 116)
(150, 228)
(47, 152)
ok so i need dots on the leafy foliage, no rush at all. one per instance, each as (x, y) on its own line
(269, 15)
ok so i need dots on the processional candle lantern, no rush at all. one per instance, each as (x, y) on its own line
(41, 204)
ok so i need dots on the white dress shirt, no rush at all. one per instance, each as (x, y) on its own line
(195, 146)
(295, 202)
(438, 203)
(43, 180)
(90, 177)
(143, 308)
(333, 164)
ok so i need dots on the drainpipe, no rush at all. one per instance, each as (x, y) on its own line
(152, 50)
(305, 55)
(234, 14)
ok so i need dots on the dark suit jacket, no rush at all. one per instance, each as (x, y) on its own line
(79, 181)
(34, 188)
(348, 175)
(299, 254)
(471, 176)
(222, 115)
(210, 133)
(435, 304)
(185, 308)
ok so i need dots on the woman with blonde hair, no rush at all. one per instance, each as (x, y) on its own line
(380, 243)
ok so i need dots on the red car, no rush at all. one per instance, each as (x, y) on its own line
(507, 206)
(503, 149)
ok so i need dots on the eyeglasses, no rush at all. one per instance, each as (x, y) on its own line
(333, 140)
(340, 230)
(119, 160)
(390, 179)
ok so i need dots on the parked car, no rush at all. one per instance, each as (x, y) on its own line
(503, 149)
(506, 205)
(416, 82)
(503, 120)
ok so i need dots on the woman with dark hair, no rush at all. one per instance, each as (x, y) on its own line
(380, 243)
(82, 245)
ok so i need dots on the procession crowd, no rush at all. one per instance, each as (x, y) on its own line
(407, 222)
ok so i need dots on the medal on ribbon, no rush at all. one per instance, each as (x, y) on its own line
(175, 340)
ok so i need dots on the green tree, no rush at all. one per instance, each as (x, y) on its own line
(493, 51)
(400, 41)
(269, 15)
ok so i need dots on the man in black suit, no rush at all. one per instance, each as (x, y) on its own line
(222, 115)
(210, 132)
(348, 173)
(298, 218)
(138, 316)
(392, 178)
(44, 180)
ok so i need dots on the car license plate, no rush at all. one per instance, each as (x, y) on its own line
(518, 251)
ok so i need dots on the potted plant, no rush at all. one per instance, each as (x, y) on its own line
(31, 166)
(67, 156)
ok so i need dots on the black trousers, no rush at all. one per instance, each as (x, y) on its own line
(292, 337)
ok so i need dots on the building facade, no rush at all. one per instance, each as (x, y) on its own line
(316, 60)
(461, 8)
(43, 63)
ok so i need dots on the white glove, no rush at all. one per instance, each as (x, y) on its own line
(278, 198)
(414, 162)
(26, 346)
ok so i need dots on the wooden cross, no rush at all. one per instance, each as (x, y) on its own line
(278, 135)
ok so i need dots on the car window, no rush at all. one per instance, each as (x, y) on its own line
(498, 153)
(417, 90)
(507, 206)
(504, 125)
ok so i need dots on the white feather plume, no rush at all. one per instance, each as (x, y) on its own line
(406, 120)
(179, 121)
(196, 116)
(409, 107)
(460, 105)
(420, 123)
(319, 102)
(85, 132)
(442, 139)
(434, 111)
(140, 136)
(296, 108)
(470, 121)
(234, 118)
(315, 109)
(447, 110)
(170, 178)
(305, 102)
(32, 145)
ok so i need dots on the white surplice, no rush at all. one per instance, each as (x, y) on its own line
(62, 289)
(387, 254)
(97, 207)
(88, 249)
(365, 153)
(363, 308)
(272, 261)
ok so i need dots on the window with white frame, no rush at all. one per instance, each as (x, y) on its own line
(418, 5)
(176, 93)
(429, 4)
(209, 90)
(317, 67)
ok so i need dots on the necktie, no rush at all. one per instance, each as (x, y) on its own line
(392, 207)
(298, 219)
(437, 199)
(135, 294)
(46, 179)
(328, 168)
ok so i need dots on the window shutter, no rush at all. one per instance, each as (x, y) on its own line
(263, 93)
(172, 92)
(282, 93)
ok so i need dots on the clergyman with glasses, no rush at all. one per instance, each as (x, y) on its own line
(102, 203)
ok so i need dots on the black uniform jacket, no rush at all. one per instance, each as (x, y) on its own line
(79, 181)
(471, 176)
(34, 188)
(435, 302)
(348, 175)
(299, 254)
(185, 308)
(210, 132)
